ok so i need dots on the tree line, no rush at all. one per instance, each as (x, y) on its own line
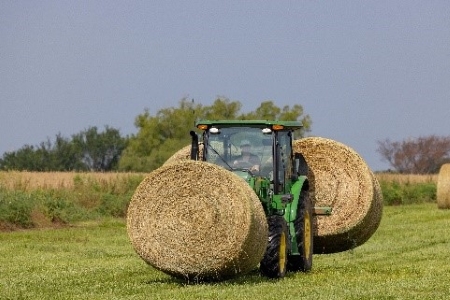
(89, 150)
(158, 137)
(161, 134)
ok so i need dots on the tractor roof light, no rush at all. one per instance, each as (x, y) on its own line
(202, 126)
(277, 127)
(214, 130)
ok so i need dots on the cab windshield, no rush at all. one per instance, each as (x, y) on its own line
(224, 146)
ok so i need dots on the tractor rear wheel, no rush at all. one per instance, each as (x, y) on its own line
(304, 235)
(274, 262)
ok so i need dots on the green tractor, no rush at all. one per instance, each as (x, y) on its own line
(261, 153)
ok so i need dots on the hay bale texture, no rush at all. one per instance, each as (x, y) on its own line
(443, 187)
(340, 178)
(197, 221)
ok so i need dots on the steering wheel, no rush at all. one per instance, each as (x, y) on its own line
(244, 166)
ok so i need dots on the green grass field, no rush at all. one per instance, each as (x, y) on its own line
(407, 258)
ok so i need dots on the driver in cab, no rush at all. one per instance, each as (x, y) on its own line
(247, 159)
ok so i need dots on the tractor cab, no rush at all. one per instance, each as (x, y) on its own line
(252, 149)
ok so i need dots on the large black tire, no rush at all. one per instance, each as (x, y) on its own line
(274, 262)
(304, 234)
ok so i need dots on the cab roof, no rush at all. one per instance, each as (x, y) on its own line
(250, 123)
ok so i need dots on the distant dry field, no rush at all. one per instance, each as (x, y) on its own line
(407, 178)
(27, 181)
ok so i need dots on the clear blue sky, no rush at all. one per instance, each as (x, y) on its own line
(363, 70)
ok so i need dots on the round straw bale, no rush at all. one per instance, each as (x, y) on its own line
(184, 154)
(197, 221)
(443, 187)
(340, 179)
(369, 225)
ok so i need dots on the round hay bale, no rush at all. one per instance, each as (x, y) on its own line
(197, 221)
(340, 178)
(443, 187)
(370, 224)
(184, 154)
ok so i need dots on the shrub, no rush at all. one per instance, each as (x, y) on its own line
(16, 208)
(114, 206)
(61, 209)
(396, 193)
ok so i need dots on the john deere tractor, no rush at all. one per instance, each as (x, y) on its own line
(261, 153)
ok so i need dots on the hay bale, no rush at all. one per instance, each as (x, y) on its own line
(443, 187)
(197, 221)
(184, 154)
(340, 179)
(369, 225)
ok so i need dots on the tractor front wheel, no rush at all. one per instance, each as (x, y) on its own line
(274, 262)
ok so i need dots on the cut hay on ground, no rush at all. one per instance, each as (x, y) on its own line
(197, 221)
(443, 187)
(340, 179)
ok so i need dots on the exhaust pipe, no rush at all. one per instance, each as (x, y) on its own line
(194, 146)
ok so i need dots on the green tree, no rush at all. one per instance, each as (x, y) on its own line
(269, 111)
(88, 150)
(222, 109)
(33, 158)
(293, 114)
(66, 155)
(159, 136)
(26, 158)
(266, 111)
(99, 151)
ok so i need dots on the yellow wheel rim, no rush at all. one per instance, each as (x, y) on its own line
(307, 235)
(282, 253)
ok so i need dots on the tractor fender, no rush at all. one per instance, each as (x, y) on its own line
(299, 185)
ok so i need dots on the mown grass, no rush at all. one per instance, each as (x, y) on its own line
(406, 258)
